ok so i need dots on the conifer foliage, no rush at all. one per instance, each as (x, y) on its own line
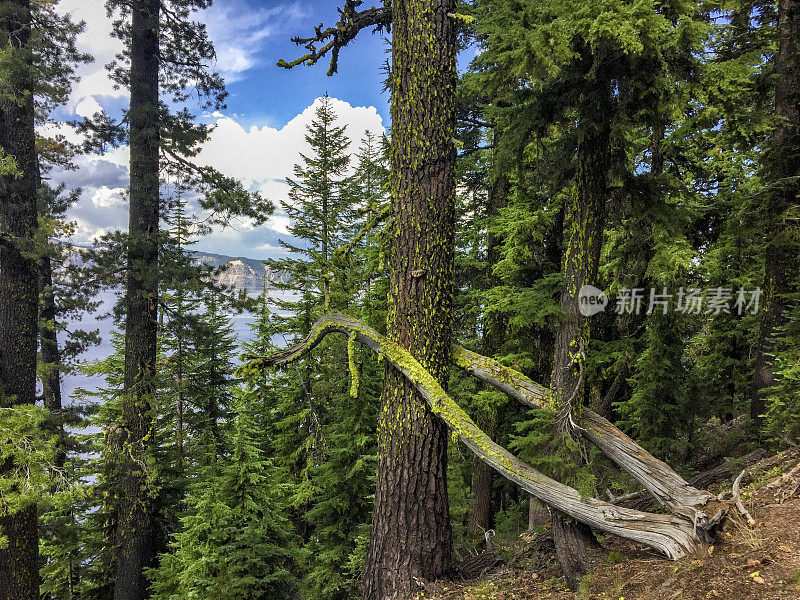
(645, 153)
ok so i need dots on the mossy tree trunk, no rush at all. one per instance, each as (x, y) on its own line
(574, 541)
(411, 535)
(19, 305)
(781, 257)
(135, 525)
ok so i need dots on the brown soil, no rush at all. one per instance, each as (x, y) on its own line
(758, 563)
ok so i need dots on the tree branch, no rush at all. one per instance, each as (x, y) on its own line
(672, 535)
(665, 485)
(333, 39)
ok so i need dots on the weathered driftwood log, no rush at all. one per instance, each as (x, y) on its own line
(672, 535)
(666, 486)
(725, 471)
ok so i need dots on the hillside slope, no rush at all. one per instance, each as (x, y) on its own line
(759, 563)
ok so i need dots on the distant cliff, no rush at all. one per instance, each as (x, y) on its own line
(240, 272)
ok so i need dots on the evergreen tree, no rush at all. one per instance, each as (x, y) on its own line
(781, 174)
(324, 423)
(167, 54)
(320, 206)
(320, 199)
(235, 540)
(37, 48)
(592, 79)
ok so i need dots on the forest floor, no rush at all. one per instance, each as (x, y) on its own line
(744, 563)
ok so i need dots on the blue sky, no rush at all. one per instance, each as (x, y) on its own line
(259, 136)
(267, 93)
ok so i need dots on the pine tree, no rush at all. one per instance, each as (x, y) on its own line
(19, 180)
(323, 423)
(320, 205)
(592, 79)
(781, 173)
(411, 533)
(235, 539)
(320, 201)
(423, 156)
(169, 55)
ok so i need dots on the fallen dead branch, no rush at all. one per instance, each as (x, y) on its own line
(662, 482)
(675, 535)
(737, 500)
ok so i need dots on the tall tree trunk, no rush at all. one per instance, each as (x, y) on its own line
(781, 257)
(19, 297)
(411, 535)
(574, 541)
(50, 356)
(480, 510)
(135, 535)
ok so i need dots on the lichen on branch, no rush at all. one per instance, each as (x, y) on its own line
(672, 535)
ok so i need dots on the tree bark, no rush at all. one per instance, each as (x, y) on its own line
(781, 256)
(19, 305)
(48, 339)
(481, 514)
(135, 535)
(574, 545)
(411, 535)
(581, 260)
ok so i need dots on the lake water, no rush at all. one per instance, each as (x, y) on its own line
(72, 381)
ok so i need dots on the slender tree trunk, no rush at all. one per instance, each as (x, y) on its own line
(781, 257)
(19, 297)
(135, 528)
(481, 515)
(49, 354)
(411, 535)
(574, 541)
(48, 340)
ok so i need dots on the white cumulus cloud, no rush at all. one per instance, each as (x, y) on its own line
(106, 197)
(237, 29)
(260, 156)
(88, 107)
